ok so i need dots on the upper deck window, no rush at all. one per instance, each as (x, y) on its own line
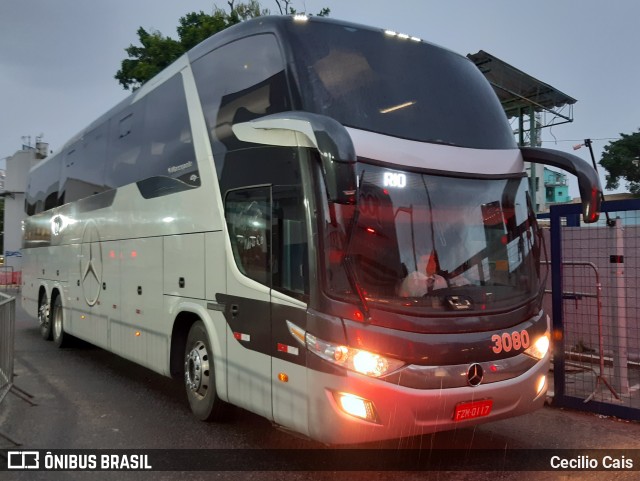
(414, 90)
(238, 82)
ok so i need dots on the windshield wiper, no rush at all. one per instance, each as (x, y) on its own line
(350, 269)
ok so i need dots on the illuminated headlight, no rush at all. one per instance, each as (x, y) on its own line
(539, 348)
(364, 362)
(356, 406)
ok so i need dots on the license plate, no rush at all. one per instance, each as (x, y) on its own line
(472, 410)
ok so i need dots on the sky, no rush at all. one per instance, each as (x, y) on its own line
(58, 58)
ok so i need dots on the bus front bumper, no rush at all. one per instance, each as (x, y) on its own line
(398, 411)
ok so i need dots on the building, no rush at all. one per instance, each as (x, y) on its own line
(556, 187)
(15, 184)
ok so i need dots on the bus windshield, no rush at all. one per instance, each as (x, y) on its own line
(373, 81)
(416, 241)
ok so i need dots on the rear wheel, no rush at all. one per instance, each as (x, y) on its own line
(44, 317)
(199, 377)
(61, 338)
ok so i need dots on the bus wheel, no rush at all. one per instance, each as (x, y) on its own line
(44, 318)
(199, 377)
(57, 319)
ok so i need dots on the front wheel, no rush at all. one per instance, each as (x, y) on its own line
(199, 377)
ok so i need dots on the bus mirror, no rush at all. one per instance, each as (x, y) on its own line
(588, 182)
(304, 129)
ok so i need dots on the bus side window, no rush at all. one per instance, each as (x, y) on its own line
(248, 219)
(278, 167)
(270, 244)
(70, 159)
(42, 192)
(167, 142)
(82, 170)
(290, 246)
(124, 149)
(238, 82)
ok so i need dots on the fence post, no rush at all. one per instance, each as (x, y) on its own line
(619, 312)
(557, 335)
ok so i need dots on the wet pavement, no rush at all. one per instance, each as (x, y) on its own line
(86, 398)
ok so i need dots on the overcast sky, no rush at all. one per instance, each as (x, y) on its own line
(58, 57)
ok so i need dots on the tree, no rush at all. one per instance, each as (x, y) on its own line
(158, 51)
(621, 158)
(286, 9)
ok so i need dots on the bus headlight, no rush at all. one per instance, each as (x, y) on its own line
(364, 362)
(356, 406)
(540, 348)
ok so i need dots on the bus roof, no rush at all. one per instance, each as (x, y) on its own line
(277, 24)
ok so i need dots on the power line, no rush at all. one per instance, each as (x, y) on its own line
(580, 140)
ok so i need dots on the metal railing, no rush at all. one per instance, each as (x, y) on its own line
(7, 338)
(9, 277)
(595, 304)
(600, 375)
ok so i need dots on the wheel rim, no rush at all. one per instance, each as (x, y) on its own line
(43, 315)
(57, 323)
(196, 369)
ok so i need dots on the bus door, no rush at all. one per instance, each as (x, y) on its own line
(247, 300)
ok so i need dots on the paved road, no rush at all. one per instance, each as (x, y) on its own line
(88, 398)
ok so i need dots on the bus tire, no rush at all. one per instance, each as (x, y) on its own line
(199, 377)
(44, 317)
(61, 338)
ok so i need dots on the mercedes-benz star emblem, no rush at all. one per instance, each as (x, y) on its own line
(91, 264)
(475, 374)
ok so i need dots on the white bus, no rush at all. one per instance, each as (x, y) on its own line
(322, 223)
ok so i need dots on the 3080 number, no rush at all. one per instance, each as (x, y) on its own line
(510, 342)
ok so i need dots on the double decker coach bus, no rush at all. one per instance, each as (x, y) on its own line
(322, 223)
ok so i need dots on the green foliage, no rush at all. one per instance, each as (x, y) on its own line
(621, 159)
(195, 27)
(158, 51)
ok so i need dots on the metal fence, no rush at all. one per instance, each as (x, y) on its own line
(7, 336)
(595, 307)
